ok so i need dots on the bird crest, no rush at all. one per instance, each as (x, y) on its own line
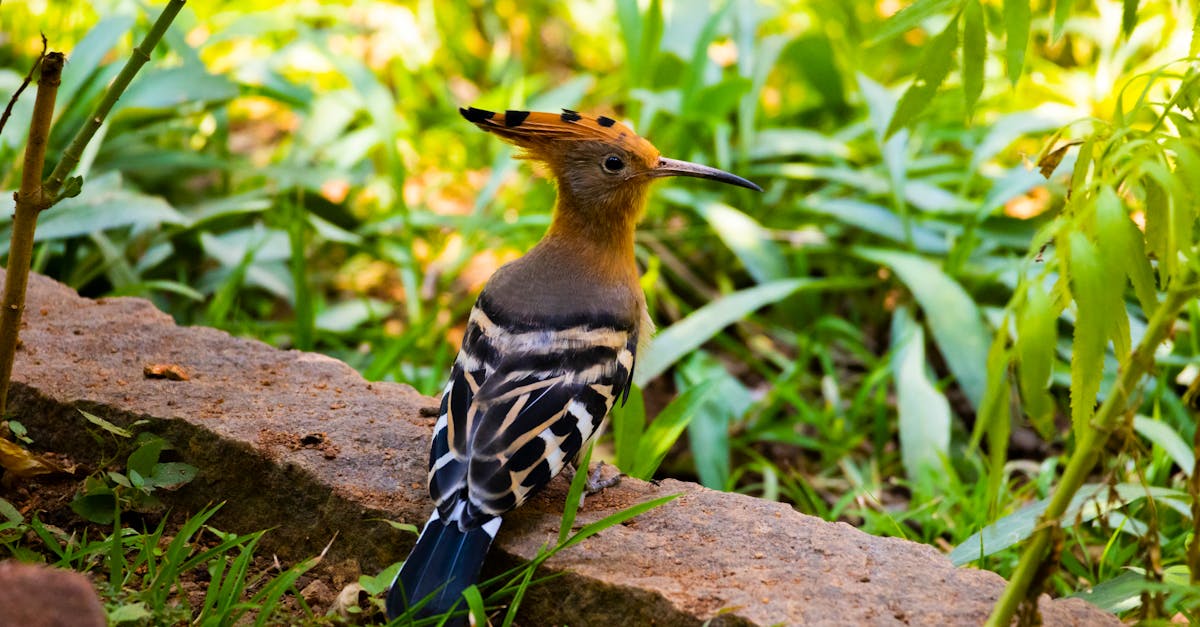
(542, 134)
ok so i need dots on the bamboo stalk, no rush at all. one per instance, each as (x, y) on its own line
(141, 55)
(1088, 449)
(31, 199)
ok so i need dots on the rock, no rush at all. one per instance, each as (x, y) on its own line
(40, 596)
(301, 442)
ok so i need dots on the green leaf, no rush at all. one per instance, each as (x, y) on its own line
(9, 512)
(701, 325)
(129, 613)
(171, 475)
(145, 457)
(936, 63)
(1062, 11)
(1088, 286)
(952, 316)
(1037, 337)
(1016, 32)
(708, 432)
(575, 495)
(628, 424)
(106, 425)
(1091, 501)
(1129, 17)
(162, 89)
(87, 55)
(382, 581)
(615, 519)
(666, 428)
(924, 412)
(878, 220)
(1125, 248)
(974, 48)
(475, 605)
(778, 143)
(747, 239)
(1121, 593)
(1166, 438)
(995, 411)
(96, 507)
(105, 204)
(908, 18)
(399, 526)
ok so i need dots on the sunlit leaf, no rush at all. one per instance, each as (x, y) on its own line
(909, 18)
(1169, 440)
(1091, 501)
(1037, 337)
(1062, 11)
(775, 143)
(936, 63)
(701, 325)
(87, 55)
(747, 239)
(924, 412)
(159, 89)
(628, 424)
(1016, 32)
(105, 204)
(952, 315)
(1129, 18)
(708, 432)
(1088, 286)
(351, 314)
(666, 428)
(974, 46)
(1126, 248)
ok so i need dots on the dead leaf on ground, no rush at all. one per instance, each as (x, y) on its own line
(23, 463)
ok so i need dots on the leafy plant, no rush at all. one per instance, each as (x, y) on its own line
(110, 491)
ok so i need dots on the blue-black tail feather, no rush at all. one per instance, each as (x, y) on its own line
(445, 561)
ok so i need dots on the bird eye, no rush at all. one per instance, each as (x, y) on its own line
(613, 163)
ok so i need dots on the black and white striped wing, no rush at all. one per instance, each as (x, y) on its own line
(521, 404)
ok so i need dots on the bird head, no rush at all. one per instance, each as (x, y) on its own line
(596, 160)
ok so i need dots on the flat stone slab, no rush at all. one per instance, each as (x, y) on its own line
(300, 442)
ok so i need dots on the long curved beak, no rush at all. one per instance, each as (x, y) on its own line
(675, 167)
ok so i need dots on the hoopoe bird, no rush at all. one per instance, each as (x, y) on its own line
(550, 346)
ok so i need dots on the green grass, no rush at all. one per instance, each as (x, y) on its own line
(860, 341)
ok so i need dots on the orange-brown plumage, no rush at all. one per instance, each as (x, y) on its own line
(550, 346)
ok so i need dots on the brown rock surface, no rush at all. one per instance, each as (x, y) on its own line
(301, 442)
(40, 596)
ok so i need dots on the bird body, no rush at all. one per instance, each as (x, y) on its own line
(550, 346)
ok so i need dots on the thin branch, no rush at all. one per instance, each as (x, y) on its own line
(25, 83)
(1087, 451)
(30, 201)
(141, 55)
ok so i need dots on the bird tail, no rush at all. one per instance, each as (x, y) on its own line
(445, 561)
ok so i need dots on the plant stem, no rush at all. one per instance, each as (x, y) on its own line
(1088, 449)
(141, 55)
(31, 199)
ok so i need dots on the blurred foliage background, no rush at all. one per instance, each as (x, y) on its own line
(298, 172)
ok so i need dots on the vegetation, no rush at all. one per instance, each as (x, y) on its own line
(966, 298)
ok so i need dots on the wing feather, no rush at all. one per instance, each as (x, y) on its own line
(520, 405)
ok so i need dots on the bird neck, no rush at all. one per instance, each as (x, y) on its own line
(599, 229)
